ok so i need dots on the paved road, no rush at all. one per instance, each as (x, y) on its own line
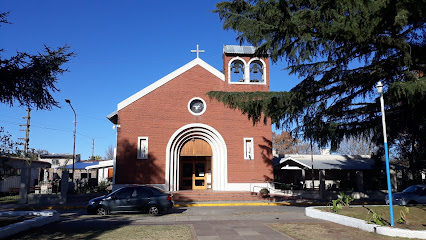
(239, 222)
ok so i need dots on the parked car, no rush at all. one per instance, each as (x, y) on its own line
(415, 194)
(132, 199)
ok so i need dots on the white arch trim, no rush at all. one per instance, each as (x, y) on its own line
(264, 69)
(219, 157)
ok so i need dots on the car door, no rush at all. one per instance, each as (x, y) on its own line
(422, 197)
(143, 199)
(121, 200)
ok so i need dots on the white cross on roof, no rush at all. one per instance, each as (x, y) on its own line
(197, 51)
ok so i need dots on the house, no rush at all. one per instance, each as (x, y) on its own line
(171, 135)
(105, 170)
(337, 172)
(11, 173)
(58, 162)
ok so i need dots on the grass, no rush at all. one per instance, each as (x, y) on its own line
(9, 199)
(155, 232)
(416, 216)
(326, 231)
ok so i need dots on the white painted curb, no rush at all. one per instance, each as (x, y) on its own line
(45, 217)
(340, 219)
(363, 225)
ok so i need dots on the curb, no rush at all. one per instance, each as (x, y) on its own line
(363, 225)
(45, 218)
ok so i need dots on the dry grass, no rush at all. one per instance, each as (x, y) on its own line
(326, 231)
(416, 216)
(155, 232)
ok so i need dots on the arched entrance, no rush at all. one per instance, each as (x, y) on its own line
(179, 143)
(195, 165)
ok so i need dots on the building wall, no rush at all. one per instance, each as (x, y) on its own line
(160, 113)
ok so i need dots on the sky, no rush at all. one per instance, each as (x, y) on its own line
(121, 47)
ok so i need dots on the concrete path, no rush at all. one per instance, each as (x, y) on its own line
(238, 222)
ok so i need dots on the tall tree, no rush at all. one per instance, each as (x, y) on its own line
(109, 153)
(285, 143)
(29, 79)
(357, 145)
(340, 50)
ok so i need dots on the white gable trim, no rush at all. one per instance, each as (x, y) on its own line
(282, 161)
(169, 77)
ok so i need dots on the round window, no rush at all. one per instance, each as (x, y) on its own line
(197, 106)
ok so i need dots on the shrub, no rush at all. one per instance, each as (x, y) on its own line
(264, 192)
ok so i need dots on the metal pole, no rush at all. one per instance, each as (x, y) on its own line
(75, 130)
(385, 139)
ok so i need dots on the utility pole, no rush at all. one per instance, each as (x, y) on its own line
(26, 174)
(93, 148)
(27, 132)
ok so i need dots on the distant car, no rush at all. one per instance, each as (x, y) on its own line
(415, 194)
(132, 199)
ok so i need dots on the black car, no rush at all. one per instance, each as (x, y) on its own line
(131, 199)
(415, 194)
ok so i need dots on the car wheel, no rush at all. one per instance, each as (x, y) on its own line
(412, 202)
(153, 210)
(102, 211)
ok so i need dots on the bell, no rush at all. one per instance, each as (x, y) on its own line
(236, 70)
(255, 68)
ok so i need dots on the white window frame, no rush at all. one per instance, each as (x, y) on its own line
(140, 139)
(200, 113)
(263, 82)
(248, 151)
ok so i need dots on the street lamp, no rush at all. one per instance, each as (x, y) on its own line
(379, 87)
(75, 129)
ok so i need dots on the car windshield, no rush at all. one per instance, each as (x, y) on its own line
(411, 189)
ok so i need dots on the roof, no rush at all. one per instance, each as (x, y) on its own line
(343, 162)
(101, 164)
(79, 165)
(327, 162)
(164, 80)
(239, 49)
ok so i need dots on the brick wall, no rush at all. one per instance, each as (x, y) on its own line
(160, 113)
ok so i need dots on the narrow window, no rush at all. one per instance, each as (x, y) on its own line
(142, 147)
(248, 148)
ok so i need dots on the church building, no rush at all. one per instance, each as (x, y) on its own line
(171, 135)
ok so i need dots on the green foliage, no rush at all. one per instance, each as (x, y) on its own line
(342, 201)
(103, 186)
(336, 205)
(264, 192)
(346, 199)
(95, 158)
(403, 216)
(30, 79)
(340, 50)
(377, 218)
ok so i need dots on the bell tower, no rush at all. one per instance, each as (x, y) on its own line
(241, 67)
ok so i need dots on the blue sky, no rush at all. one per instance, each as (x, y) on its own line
(121, 47)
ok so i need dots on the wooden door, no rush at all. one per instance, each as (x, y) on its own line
(199, 175)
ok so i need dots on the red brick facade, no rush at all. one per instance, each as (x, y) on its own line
(160, 113)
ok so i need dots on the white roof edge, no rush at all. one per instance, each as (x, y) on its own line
(167, 78)
(290, 158)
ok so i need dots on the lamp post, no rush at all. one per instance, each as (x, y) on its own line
(379, 87)
(75, 130)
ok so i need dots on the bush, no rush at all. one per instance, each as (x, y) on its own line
(103, 186)
(264, 192)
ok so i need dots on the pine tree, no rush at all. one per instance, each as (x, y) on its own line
(340, 50)
(29, 79)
